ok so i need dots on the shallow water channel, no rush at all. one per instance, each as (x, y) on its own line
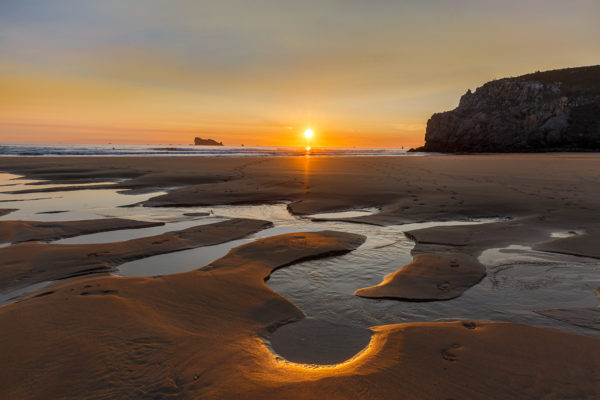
(519, 279)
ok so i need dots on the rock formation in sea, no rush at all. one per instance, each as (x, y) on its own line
(545, 111)
(206, 142)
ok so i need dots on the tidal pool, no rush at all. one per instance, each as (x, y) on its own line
(519, 281)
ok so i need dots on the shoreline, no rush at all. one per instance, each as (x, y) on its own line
(176, 316)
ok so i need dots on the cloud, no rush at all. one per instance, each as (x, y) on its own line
(353, 67)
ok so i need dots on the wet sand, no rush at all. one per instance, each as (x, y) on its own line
(27, 231)
(205, 333)
(201, 335)
(30, 263)
(429, 277)
(405, 188)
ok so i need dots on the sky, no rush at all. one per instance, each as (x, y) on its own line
(259, 72)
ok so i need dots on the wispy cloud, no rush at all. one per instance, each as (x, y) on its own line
(353, 68)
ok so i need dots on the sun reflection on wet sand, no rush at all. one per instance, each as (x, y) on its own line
(306, 174)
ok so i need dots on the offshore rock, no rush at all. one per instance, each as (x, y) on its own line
(206, 142)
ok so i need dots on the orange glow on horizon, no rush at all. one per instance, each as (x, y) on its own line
(261, 75)
(71, 109)
(23, 131)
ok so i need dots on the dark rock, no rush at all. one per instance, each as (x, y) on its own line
(545, 111)
(206, 142)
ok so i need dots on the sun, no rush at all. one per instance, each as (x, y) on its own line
(308, 133)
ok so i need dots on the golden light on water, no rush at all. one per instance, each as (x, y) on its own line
(307, 148)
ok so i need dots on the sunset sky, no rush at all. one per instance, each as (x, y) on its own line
(360, 73)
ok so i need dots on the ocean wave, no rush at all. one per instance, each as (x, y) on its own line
(36, 149)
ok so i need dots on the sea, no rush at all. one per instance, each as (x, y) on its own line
(142, 150)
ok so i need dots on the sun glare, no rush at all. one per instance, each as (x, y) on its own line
(308, 133)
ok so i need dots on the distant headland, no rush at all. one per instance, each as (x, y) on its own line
(206, 142)
(555, 110)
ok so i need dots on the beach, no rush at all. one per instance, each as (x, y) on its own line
(376, 277)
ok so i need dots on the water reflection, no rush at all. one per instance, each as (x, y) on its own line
(78, 205)
(519, 279)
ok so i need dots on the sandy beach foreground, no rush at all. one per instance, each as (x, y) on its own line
(206, 333)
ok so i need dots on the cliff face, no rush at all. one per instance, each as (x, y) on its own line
(545, 111)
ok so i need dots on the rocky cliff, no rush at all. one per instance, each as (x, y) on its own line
(544, 111)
